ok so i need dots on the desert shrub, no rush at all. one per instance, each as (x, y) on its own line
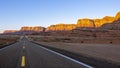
(111, 42)
(82, 41)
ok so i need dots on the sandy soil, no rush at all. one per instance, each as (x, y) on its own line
(107, 52)
(105, 48)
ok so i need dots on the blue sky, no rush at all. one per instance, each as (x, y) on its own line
(17, 13)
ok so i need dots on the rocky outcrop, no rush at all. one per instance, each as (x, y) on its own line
(94, 22)
(106, 22)
(9, 31)
(112, 26)
(117, 16)
(36, 28)
(115, 25)
(61, 27)
(85, 23)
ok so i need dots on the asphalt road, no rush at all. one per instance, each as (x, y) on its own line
(25, 54)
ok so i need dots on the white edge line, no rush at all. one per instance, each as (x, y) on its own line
(67, 57)
(9, 45)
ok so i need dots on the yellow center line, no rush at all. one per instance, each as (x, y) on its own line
(23, 61)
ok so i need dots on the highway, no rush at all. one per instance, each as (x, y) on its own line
(25, 54)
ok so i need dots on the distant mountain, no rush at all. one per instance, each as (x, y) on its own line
(84, 23)
(26, 30)
(112, 26)
(61, 27)
(94, 22)
(10, 31)
(115, 25)
(35, 28)
(117, 17)
(106, 22)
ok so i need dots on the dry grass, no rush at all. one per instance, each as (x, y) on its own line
(89, 40)
(4, 40)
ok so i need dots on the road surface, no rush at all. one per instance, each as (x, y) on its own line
(25, 54)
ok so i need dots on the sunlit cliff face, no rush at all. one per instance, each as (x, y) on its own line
(117, 16)
(28, 28)
(84, 23)
(10, 31)
(80, 23)
(96, 22)
(60, 27)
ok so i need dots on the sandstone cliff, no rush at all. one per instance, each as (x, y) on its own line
(36, 28)
(9, 31)
(115, 25)
(105, 22)
(97, 22)
(117, 16)
(112, 26)
(85, 23)
(94, 22)
(61, 27)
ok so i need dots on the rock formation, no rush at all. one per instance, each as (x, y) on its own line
(107, 22)
(117, 16)
(97, 22)
(85, 23)
(115, 25)
(36, 28)
(61, 27)
(112, 26)
(26, 30)
(9, 31)
(94, 22)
